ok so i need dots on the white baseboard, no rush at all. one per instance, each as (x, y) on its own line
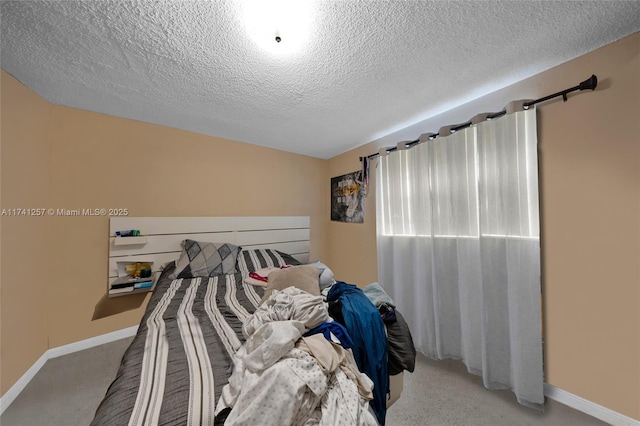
(591, 408)
(22, 382)
(15, 390)
(92, 342)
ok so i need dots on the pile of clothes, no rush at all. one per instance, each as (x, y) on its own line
(402, 352)
(296, 368)
(348, 305)
(314, 360)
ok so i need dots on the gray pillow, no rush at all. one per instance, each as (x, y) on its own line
(200, 259)
(326, 274)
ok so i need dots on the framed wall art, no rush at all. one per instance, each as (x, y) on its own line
(347, 198)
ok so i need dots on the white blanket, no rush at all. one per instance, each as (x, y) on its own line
(275, 383)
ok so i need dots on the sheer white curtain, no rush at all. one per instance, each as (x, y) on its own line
(459, 249)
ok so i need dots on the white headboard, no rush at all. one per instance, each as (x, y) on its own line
(160, 237)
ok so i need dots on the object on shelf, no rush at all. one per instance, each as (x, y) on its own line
(136, 269)
(145, 284)
(127, 281)
(133, 275)
(128, 233)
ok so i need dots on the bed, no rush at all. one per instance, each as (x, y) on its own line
(182, 356)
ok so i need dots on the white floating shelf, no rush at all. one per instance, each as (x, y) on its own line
(129, 290)
(130, 241)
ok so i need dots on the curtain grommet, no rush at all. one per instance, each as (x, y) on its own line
(515, 106)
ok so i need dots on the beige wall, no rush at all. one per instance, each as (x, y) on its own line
(102, 161)
(26, 244)
(590, 212)
(352, 246)
(67, 158)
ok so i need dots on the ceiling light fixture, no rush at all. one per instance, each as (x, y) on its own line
(278, 26)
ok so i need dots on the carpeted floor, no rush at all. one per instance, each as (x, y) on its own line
(67, 390)
(441, 393)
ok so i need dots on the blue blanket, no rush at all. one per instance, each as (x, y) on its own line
(364, 324)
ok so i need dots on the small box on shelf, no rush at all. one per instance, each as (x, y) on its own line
(129, 237)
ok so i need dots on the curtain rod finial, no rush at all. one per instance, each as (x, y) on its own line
(590, 83)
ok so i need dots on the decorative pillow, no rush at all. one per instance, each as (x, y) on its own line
(326, 275)
(304, 277)
(251, 260)
(200, 259)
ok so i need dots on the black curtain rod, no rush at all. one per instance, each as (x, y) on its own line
(590, 83)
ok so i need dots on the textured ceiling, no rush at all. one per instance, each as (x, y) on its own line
(366, 69)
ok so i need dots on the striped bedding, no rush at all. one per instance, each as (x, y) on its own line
(178, 362)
